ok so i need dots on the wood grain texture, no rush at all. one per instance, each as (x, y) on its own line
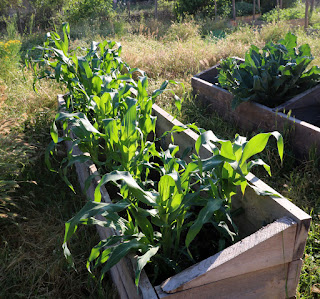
(263, 209)
(294, 271)
(269, 283)
(270, 246)
(309, 97)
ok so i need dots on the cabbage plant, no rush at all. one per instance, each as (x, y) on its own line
(270, 76)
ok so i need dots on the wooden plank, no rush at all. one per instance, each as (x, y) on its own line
(268, 247)
(264, 209)
(248, 115)
(304, 135)
(294, 271)
(267, 283)
(309, 97)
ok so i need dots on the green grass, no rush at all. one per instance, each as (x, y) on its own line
(32, 225)
(34, 203)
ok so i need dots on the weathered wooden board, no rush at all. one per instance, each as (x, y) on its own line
(268, 283)
(251, 116)
(270, 246)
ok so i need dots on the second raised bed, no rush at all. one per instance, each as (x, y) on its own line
(302, 122)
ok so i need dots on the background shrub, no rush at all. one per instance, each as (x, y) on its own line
(75, 10)
(297, 12)
(192, 7)
(245, 9)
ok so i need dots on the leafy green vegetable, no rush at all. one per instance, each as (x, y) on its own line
(270, 76)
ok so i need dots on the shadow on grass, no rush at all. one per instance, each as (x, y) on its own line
(35, 204)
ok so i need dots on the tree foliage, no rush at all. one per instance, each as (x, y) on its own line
(44, 13)
(205, 7)
(79, 9)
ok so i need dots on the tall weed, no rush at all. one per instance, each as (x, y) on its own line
(12, 26)
(182, 31)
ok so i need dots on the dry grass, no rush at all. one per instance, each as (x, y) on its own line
(181, 58)
(34, 203)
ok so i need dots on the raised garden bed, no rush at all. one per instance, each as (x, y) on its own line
(302, 124)
(265, 263)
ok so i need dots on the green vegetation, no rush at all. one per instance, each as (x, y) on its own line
(271, 77)
(110, 117)
(245, 9)
(35, 203)
(291, 13)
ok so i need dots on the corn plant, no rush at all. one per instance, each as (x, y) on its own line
(108, 116)
(157, 217)
(85, 76)
(270, 77)
(110, 111)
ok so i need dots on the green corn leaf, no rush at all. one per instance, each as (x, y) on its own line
(66, 33)
(101, 252)
(205, 138)
(129, 123)
(159, 91)
(111, 129)
(67, 254)
(96, 84)
(177, 102)
(120, 251)
(174, 203)
(92, 209)
(261, 192)
(77, 159)
(83, 63)
(258, 143)
(66, 180)
(142, 195)
(259, 162)
(48, 152)
(143, 260)
(143, 223)
(226, 150)
(204, 216)
(54, 132)
(166, 184)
